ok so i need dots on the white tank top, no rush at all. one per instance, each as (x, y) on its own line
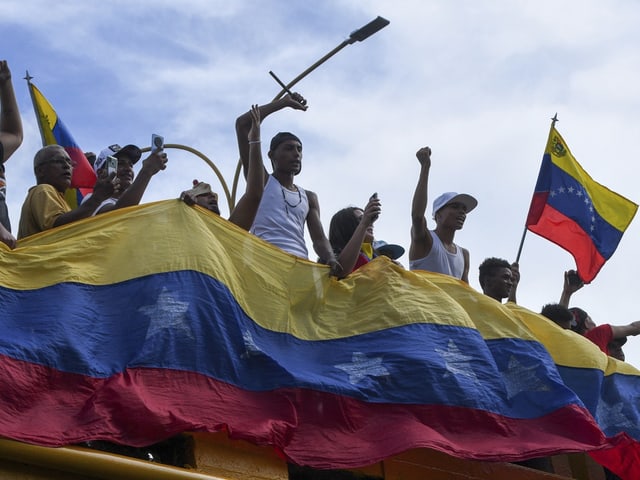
(281, 217)
(440, 260)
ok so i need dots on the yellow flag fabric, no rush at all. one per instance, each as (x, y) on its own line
(173, 311)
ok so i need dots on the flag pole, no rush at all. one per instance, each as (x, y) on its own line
(521, 244)
(28, 78)
(554, 119)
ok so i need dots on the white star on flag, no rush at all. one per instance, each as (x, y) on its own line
(361, 367)
(251, 348)
(456, 362)
(167, 313)
(580, 192)
(611, 416)
(518, 378)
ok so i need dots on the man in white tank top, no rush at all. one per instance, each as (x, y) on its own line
(434, 250)
(286, 207)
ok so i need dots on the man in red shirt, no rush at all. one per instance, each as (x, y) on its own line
(604, 336)
(601, 335)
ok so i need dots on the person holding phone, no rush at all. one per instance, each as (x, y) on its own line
(351, 234)
(285, 207)
(130, 187)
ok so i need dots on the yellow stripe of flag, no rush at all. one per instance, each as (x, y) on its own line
(612, 207)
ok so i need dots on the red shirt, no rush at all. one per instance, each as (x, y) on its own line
(601, 336)
(362, 260)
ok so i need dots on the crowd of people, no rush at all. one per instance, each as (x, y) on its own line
(277, 210)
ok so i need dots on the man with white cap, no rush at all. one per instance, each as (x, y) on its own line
(128, 191)
(434, 250)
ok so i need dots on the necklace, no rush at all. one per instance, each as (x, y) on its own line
(288, 205)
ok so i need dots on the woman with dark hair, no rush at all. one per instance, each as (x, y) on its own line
(351, 234)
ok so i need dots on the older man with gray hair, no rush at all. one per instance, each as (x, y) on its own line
(45, 206)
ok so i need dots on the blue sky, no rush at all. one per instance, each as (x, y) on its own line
(476, 81)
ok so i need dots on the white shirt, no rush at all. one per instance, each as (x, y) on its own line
(440, 260)
(281, 217)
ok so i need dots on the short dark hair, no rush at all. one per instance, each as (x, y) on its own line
(282, 137)
(490, 266)
(557, 313)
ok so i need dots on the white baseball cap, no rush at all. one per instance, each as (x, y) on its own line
(116, 150)
(453, 197)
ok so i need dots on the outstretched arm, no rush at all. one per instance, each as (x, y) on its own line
(349, 254)
(320, 241)
(421, 240)
(620, 331)
(244, 121)
(245, 211)
(10, 122)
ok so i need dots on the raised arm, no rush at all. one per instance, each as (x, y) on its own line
(243, 125)
(572, 283)
(245, 211)
(321, 244)
(131, 196)
(349, 254)
(10, 122)
(421, 240)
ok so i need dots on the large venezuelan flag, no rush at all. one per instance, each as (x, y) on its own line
(54, 132)
(171, 319)
(572, 210)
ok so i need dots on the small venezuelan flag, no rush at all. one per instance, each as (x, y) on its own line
(575, 212)
(54, 132)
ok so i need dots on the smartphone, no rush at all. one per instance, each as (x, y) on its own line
(157, 143)
(112, 165)
(574, 278)
(374, 197)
